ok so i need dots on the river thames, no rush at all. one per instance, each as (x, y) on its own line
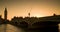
(11, 28)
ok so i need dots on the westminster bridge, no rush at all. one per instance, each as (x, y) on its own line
(34, 24)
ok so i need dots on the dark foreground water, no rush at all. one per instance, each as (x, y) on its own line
(11, 28)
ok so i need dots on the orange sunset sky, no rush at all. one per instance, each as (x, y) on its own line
(38, 8)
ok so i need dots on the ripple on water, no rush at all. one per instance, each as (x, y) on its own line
(2, 28)
(10, 28)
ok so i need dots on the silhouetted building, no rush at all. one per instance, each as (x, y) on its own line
(0, 16)
(1, 20)
(5, 14)
(54, 14)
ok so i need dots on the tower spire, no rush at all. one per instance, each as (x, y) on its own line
(29, 12)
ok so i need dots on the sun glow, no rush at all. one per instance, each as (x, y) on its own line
(37, 15)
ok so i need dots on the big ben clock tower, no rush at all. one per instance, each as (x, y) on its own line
(5, 14)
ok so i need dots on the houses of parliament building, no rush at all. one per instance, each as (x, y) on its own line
(41, 24)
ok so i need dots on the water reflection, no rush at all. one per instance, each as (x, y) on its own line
(10, 28)
(2, 28)
(59, 27)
